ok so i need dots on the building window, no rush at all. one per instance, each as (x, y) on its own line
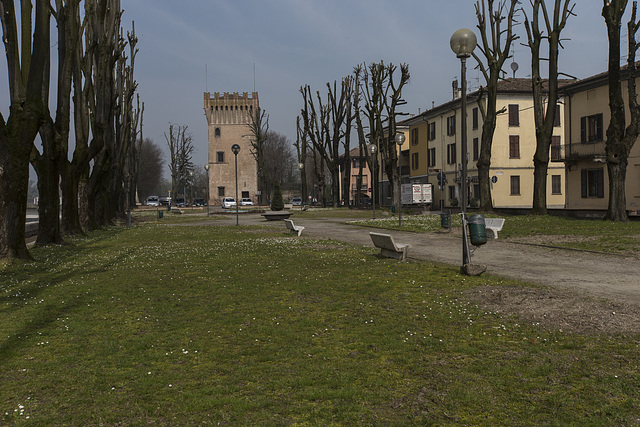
(515, 185)
(452, 192)
(431, 131)
(414, 161)
(217, 131)
(476, 149)
(474, 116)
(514, 115)
(591, 128)
(451, 125)
(556, 120)
(592, 183)
(451, 154)
(555, 147)
(414, 136)
(431, 157)
(556, 184)
(220, 157)
(220, 191)
(514, 146)
(355, 163)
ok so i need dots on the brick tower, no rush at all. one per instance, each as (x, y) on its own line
(229, 117)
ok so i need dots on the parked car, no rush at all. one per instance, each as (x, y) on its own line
(153, 201)
(296, 201)
(164, 200)
(228, 202)
(245, 201)
(199, 202)
(180, 202)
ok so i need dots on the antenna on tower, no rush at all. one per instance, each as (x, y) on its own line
(254, 77)
(206, 79)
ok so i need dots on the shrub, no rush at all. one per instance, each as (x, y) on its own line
(277, 204)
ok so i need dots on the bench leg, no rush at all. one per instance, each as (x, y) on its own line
(402, 256)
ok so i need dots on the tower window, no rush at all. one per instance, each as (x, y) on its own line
(217, 132)
(220, 156)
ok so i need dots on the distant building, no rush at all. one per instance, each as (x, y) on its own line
(229, 117)
(587, 116)
(433, 147)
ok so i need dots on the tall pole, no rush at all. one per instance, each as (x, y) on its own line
(236, 149)
(463, 42)
(463, 141)
(372, 149)
(399, 138)
(206, 167)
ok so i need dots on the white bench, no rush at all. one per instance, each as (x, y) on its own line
(492, 226)
(388, 247)
(293, 228)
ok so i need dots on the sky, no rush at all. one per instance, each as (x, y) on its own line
(274, 47)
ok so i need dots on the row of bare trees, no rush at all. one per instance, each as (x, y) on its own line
(97, 181)
(544, 26)
(367, 100)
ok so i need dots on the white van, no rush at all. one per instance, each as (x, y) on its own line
(153, 201)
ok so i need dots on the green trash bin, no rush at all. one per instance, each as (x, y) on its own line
(477, 231)
(160, 213)
(445, 220)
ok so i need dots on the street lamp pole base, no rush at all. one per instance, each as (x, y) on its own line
(473, 269)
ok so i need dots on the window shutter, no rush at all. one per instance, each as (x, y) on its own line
(600, 181)
(583, 129)
(583, 183)
(599, 126)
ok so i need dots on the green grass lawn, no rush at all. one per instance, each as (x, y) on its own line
(158, 324)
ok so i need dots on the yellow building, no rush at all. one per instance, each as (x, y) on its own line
(587, 115)
(435, 149)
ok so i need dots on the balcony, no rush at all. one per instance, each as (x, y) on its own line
(577, 151)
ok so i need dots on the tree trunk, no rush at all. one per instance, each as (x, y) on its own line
(26, 114)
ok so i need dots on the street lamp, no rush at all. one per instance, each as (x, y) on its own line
(372, 149)
(463, 42)
(206, 167)
(301, 166)
(399, 140)
(236, 149)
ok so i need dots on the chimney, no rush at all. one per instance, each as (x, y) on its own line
(456, 91)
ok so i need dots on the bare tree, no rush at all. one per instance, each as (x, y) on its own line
(620, 139)
(27, 66)
(181, 148)
(104, 47)
(316, 127)
(496, 38)
(382, 96)
(278, 159)
(544, 119)
(150, 165)
(259, 127)
(301, 145)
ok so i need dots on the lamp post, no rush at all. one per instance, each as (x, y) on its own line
(462, 43)
(301, 167)
(372, 150)
(206, 167)
(236, 149)
(399, 140)
(191, 182)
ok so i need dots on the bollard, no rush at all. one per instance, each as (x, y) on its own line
(477, 231)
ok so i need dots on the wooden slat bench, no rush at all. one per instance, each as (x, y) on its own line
(292, 227)
(388, 247)
(492, 226)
